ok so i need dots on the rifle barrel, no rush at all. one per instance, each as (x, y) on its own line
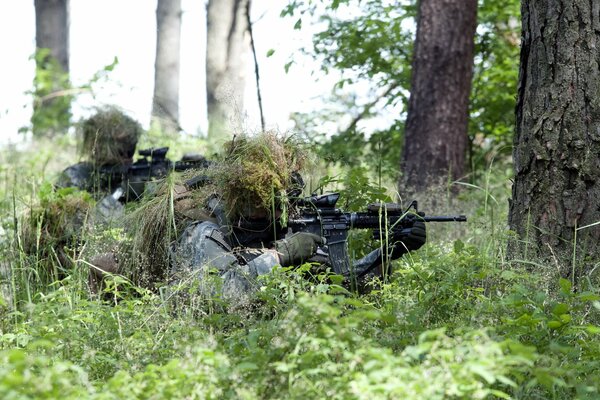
(446, 218)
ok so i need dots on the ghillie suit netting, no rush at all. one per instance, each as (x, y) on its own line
(109, 137)
(259, 171)
(252, 172)
(50, 232)
(153, 226)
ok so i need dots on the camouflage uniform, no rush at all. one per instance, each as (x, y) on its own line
(205, 249)
(83, 176)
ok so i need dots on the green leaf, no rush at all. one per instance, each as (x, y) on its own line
(565, 285)
(45, 192)
(8, 337)
(554, 324)
(560, 308)
(458, 246)
(287, 66)
(588, 296)
(592, 329)
(298, 24)
(288, 10)
(565, 318)
(247, 366)
(508, 274)
(112, 65)
(336, 279)
(270, 52)
(484, 373)
(544, 378)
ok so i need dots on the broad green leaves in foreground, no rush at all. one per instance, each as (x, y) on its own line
(449, 325)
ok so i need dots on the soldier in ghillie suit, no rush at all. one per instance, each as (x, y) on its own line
(49, 231)
(52, 230)
(257, 179)
(195, 231)
(108, 140)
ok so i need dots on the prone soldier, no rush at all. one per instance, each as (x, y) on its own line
(243, 238)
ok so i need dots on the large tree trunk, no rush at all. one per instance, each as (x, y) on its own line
(165, 105)
(226, 56)
(436, 127)
(52, 102)
(557, 141)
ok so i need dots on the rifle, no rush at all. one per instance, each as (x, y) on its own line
(132, 178)
(318, 214)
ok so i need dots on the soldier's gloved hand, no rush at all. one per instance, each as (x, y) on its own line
(297, 248)
(409, 239)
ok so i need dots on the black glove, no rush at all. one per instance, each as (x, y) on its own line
(408, 239)
(297, 248)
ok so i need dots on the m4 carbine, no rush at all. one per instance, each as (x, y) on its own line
(318, 214)
(132, 178)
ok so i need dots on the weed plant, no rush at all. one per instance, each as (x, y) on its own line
(454, 321)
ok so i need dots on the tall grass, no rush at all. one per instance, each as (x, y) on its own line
(455, 320)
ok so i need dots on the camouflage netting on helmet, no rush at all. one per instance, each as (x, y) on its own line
(109, 137)
(258, 172)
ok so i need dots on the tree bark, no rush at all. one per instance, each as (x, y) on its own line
(165, 104)
(557, 139)
(226, 57)
(436, 127)
(52, 29)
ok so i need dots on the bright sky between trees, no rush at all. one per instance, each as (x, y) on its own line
(104, 29)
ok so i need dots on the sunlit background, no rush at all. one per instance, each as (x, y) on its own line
(103, 30)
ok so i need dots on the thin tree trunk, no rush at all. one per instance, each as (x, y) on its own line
(52, 29)
(557, 140)
(165, 105)
(226, 58)
(256, 68)
(436, 126)
(51, 107)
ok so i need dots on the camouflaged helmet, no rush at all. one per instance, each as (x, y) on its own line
(109, 137)
(260, 171)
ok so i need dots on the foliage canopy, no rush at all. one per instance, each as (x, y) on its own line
(370, 44)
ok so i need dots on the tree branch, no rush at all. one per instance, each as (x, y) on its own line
(256, 72)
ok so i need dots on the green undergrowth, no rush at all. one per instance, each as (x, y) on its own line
(449, 324)
(456, 320)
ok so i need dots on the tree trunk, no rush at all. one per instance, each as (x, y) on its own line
(226, 56)
(557, 139)
(165, 105)
(436, 127)
(52, 29)
(52, 102)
